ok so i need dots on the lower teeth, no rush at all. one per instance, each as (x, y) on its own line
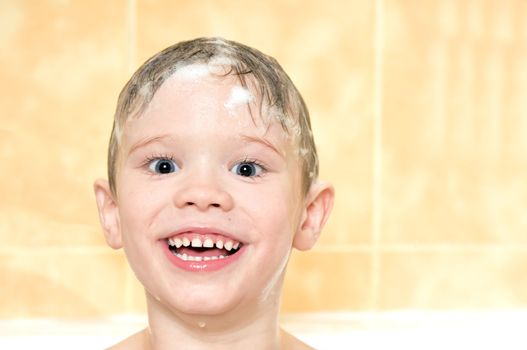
(186, 257)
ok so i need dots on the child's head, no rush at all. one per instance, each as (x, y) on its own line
(277, 96)
(212, 170)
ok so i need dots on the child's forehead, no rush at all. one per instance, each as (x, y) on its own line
(196, 90)
(216, 84)
(198, 76)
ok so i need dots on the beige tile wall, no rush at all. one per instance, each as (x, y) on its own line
(419, 110)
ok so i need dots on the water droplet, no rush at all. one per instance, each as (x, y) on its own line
(201, 324)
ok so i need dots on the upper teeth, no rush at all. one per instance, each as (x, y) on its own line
(207, 243)
(196, 242)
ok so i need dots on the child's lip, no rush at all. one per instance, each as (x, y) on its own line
(172, 243)
(202, 265)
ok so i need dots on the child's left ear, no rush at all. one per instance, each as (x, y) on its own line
(319, 202)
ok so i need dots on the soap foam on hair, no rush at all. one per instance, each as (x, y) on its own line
(239, 95)
(192, 71)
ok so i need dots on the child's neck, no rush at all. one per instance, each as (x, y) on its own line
(251, 327)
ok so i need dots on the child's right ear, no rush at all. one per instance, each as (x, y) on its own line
(108, 213)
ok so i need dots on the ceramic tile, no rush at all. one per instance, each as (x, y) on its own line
(468, 280)
(63, 62)
(327, 281)
(61, 285)
(135, 300)
(455, 154)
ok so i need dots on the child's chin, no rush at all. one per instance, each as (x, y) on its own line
(206, 308)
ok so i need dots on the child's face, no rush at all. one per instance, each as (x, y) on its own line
(196, 164)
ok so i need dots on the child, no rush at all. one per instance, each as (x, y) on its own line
(212, 181)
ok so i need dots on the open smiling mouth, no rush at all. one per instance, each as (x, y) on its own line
(195, 248)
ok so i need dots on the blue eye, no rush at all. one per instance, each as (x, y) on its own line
(247, 169)
(162, 166)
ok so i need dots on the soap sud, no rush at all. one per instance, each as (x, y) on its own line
(292, 126)
(303, 152)
(217, 66)
(271, 289)
(222, 61)
(192, 71)
(146, 90)
(239, 95)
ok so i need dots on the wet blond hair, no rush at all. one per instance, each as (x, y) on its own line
(277, 93)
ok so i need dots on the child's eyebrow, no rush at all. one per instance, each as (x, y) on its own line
(264, 142)
(148, 140)
(167, 137)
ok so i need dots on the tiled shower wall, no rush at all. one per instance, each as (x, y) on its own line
(419, 110)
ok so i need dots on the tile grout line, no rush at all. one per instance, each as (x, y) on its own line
(425, 248)
(131, 23)
(128, 290)
(330, 248)
(57, 250)
(377, 151)
(131, 30)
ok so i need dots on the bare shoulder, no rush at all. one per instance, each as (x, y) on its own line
(290, 342)
(137, 341)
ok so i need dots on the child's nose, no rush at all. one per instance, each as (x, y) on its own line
(203, 197)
